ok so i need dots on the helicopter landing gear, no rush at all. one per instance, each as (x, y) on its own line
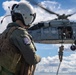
(73, 47)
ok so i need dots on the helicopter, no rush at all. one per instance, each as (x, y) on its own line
(57, 31)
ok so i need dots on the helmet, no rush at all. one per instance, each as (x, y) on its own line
(23, 11)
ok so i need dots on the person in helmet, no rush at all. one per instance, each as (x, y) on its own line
(18, 54)
(60, 53)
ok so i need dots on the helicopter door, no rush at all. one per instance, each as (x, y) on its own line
(54, 33)
(65, 32)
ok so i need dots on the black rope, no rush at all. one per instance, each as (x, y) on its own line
(58, 68)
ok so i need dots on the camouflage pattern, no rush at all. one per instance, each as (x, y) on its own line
(27, 50)
(9, 54)
(13, 48)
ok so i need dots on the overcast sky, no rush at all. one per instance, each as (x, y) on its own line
(48, 52)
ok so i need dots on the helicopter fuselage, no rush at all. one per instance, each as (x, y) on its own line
(54, 32)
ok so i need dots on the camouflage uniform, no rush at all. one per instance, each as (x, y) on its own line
(60, 53)
(18, 49)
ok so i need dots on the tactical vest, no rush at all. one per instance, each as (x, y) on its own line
(9, 54)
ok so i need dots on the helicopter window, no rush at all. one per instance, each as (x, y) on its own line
(74, 32)
(46, 30)
(65, 32)
(69, 32)
(53, 30)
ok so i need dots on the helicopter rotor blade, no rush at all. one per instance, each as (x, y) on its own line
(71, 14)
(50, 12)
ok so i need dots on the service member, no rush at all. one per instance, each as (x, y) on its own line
(17, 50)
(60, 53)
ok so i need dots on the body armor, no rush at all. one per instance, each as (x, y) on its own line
(9, 54)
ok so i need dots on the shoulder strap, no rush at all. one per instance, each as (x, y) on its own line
(10, 31)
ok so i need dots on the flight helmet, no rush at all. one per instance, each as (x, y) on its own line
(23, 11)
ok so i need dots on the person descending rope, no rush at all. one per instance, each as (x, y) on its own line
(60, 53)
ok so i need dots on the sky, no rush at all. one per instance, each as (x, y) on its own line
(48, 52)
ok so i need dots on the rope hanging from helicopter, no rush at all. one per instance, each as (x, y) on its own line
(63, 16)
(60, 53)
(58, 68)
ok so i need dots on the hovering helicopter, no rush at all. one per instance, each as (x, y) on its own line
(57, 31)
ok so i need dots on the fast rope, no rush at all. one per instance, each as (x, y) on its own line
(58, 68)
(60, 53)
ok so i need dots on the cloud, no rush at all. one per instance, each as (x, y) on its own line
(50, 65)
(41, 14)
(6, 20)
(51, 5)
(7, 4)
